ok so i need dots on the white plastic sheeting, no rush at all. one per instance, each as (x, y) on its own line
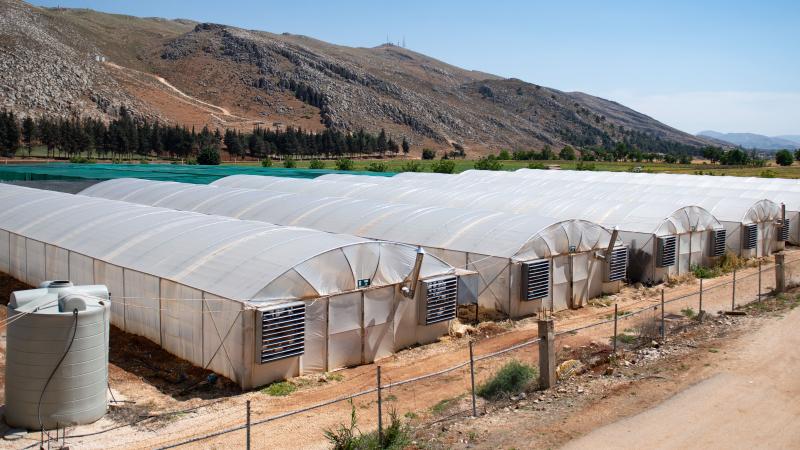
(563, 192)
(193, 282)
(491, 243)
(639, 222)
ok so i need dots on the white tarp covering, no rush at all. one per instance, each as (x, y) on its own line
(192, 282)
(462, 237)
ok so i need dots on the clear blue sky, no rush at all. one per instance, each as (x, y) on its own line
(723, 65)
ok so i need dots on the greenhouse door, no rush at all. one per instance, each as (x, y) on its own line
(580, 269)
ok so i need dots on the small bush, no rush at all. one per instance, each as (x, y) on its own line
(344, 164)
(428, 153)
(536, 165)
(377, 167)
(267, 162)
(504, 155)
(289, 163)
(443, 166)
(512, 378)
(208, 156)
(396, 436)
(768, 174)
(489, 163)
(627, 338)
(688, 312)
(316, 164)
(585, 166)
(81, 160)
(411, 166)
(279, 389)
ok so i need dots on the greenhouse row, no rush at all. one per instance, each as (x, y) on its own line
(252, 301)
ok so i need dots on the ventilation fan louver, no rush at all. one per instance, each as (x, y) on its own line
(750, 239)
(667, 250)
(618, 264)
(718, 242)
(783, 234)
(282, 331)
(535, 279)
(440, 296)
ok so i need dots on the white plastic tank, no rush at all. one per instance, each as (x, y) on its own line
(57, 356)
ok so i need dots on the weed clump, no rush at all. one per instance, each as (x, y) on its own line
(511, 379)
(279, 389)
(396, 436)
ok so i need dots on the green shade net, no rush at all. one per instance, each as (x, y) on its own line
(163, 172)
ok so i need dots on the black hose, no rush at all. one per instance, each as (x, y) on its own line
(55, 369)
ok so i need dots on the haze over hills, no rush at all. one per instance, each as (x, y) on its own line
(82, 62)
(754, 141)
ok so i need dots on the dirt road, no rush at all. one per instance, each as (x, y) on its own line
(750, 402)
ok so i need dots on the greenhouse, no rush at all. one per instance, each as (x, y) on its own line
(252, 301)
(691, 235)
(521, 260)
(754, 225)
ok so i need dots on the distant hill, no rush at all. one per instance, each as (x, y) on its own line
(754, 141)
(67, 62)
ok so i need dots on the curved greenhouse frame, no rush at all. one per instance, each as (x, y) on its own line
(210, 289)
(496, 245)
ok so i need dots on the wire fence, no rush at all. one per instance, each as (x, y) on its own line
(451, 391)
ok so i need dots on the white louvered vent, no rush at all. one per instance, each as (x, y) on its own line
(718, 242)
(667, 247)
(535, 279)
(618, 264)
(441, 297)
(282, 331)
(750, 238)
(783, 236)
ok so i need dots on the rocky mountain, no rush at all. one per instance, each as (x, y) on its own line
(753, 141)
(83, 62)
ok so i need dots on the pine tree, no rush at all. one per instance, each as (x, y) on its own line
(406, 147)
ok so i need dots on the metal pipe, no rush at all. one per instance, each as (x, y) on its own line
(472, 379)
(411, 290)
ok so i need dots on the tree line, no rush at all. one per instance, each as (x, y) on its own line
(126, 136)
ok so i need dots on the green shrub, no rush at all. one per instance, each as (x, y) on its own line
(511, 379)
(344, 164)
(443, 166)
(377, 167)
(536, 165)
(279, 389)
(289, 163)
(411, 166)
(585, 166)
(81, 160)
(488, 163)
(428, 153)
(768, 174)
(191, 162)
(396, 436)
(504, 155)
(688, 312)
(266, 162)
(316, 164)
(208, 156)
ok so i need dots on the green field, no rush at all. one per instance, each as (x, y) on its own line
(395, 165)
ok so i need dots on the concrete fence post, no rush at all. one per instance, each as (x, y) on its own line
(780, 273)
(547, 353)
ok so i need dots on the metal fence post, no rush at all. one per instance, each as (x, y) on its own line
(248, 425)
(472, 379)
(733, 293)
(700, 312)
(663, 327)
(380, 415)
(758, 296)
(615, 329)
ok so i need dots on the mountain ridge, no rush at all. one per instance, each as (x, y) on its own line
(753, 140)
(279, 80)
